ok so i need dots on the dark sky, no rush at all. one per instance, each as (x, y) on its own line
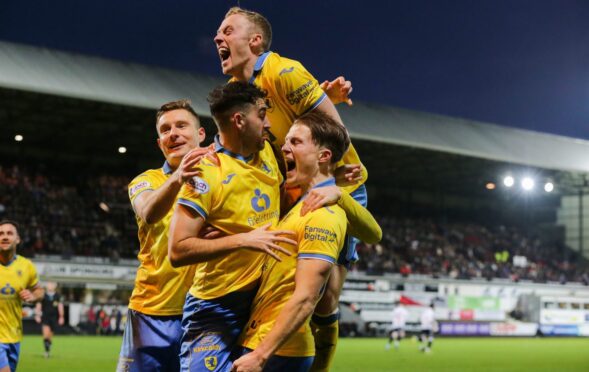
(518, 63)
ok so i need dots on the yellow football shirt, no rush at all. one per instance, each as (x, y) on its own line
(160, 289)
(236, 196)
(320, 235)
(19, 274)
(291, 92)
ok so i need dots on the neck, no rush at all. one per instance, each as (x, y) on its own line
(6, 256)
(246, 73)
(321, 176)
(233, 143)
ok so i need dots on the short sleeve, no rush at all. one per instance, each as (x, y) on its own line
(321, 236)
(300, 89)
(197, 194)
(33, 276)
(140, 184)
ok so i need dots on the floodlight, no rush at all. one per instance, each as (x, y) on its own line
(548, 187)
(527, 183)
(122, 150)
(508, 181)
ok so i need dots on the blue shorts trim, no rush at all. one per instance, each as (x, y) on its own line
(349, 255)
(211, 330)
(9, 354)
(150, 343)
(278, 363)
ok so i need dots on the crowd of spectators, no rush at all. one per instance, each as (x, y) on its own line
(91, 216)
(466, 250)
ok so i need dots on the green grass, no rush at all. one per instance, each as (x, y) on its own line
(89, 354)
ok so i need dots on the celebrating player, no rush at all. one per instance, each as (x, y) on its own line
(49, 313)
(239, 196)
(243, 42)
(152, 332)
(279, 332)
(18, 283)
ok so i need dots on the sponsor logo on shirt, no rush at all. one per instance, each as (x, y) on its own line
(138, 187)
(199, 185)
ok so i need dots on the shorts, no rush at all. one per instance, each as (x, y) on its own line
(150, 343)
(348, 254)
(278, 363)
(211, 329)
(427, 333)
(9, 355)
(51, 322)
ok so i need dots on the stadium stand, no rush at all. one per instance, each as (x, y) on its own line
(468, 250)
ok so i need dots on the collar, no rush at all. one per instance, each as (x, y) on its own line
(219, 148)
(166, 168)
(11, 261)
(328, 182)
(258, 66)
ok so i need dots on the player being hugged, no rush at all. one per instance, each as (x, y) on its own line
(278, 336)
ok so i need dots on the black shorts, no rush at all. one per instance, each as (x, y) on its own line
(427, 332)
(51, 322)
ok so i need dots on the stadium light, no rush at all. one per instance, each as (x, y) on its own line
(18, 138)
(527, 183)
(548, 187)
(122, 150)
(104, 207)
(490, 186)
(508, 181)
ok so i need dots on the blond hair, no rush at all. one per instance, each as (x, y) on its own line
(260, 23)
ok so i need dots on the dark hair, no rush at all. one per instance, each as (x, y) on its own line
(326, 132)
(226, 99)
(260, 23)
(10, 222)
(181, 104)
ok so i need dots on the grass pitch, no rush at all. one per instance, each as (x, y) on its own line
(90, 353)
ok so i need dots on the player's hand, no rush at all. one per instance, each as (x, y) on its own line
(26, 295)
(186, 169)
(320, 197)
(348, 174)
(338, 90)
(249, 362)
(60, 321)
(265, 240)
(38, 319)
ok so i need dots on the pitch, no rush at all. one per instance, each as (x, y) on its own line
(89, 354)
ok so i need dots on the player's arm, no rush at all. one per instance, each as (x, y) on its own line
(33, 294)
(361, 223)
(186, 247)
(60, 313)
(38, 312)
(310, 277)
(153, 205)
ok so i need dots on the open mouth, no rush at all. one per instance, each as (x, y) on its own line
(224, 53)
(290, 165)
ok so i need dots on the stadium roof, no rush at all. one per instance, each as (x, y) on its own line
(45, 71)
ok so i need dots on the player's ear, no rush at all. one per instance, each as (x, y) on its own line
(201, 135)
(256, 42)
(325, 155)
(238, 119)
